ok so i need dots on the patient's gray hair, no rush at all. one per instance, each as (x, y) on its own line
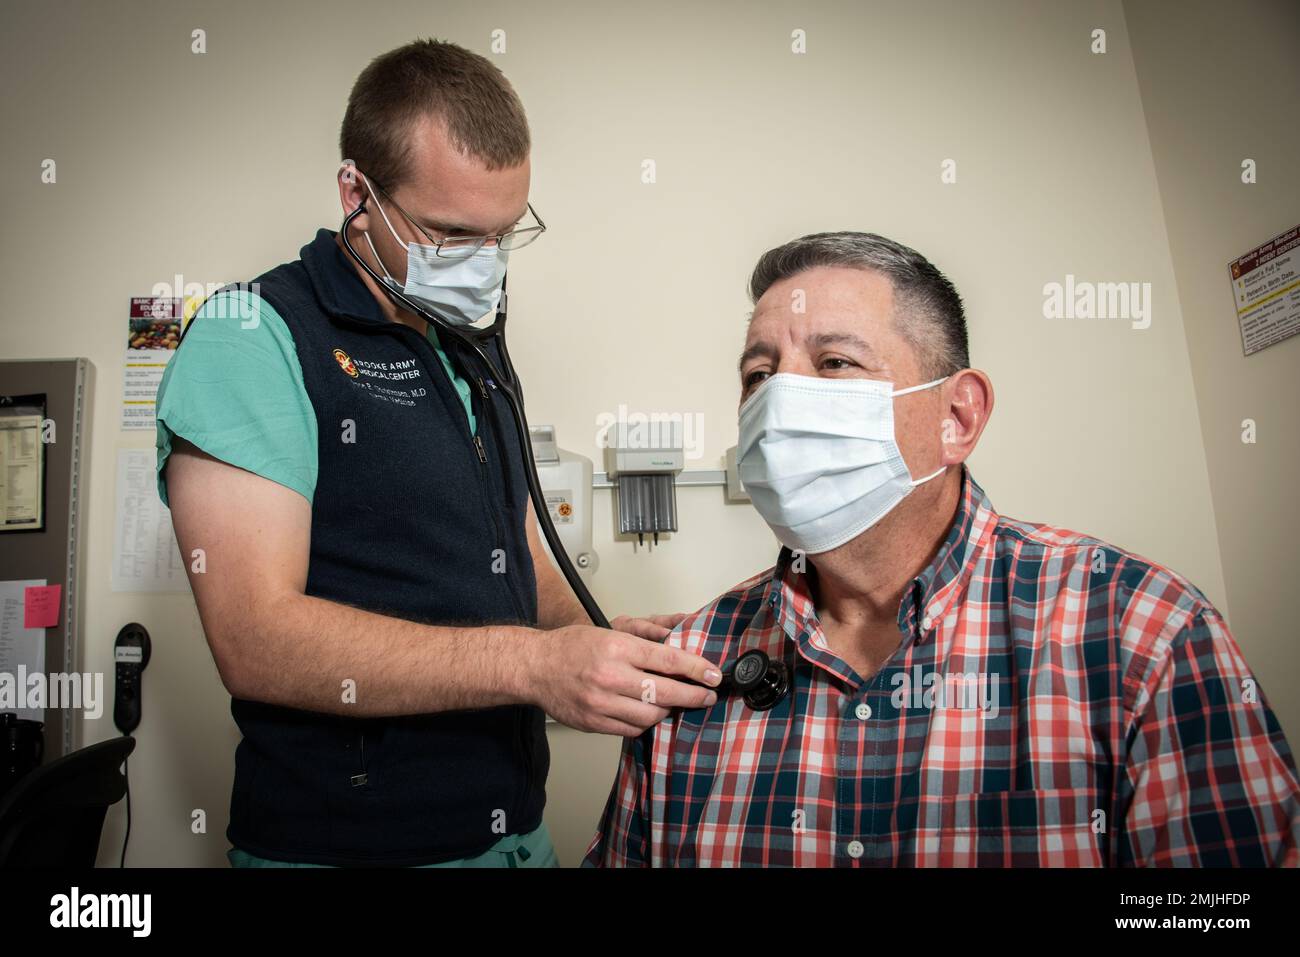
(928, 311)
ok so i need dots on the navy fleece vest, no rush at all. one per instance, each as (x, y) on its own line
(408, 520)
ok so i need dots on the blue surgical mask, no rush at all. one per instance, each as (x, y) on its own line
(460, 291)
(819, 457)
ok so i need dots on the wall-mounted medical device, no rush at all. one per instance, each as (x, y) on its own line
(643, 465)
(736, 491)
(566, 480)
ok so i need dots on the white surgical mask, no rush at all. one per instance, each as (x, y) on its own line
(461, 291)
(819, 458)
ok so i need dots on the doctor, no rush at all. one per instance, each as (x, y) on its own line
(349, 496)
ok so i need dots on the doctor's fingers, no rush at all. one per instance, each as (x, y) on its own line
(634, 714)
(640, 627)
(668, 621)
(668, 693)
(667, 660)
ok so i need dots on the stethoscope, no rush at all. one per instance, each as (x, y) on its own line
(474, 339)
(762, 682)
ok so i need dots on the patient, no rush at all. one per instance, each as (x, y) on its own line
(966, 689)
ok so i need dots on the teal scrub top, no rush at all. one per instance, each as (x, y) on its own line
(235, 390)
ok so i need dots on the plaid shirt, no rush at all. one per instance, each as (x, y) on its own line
(1054, 701)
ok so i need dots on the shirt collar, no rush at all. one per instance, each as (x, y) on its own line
(930, 593)
(338, 288)
(942, 581)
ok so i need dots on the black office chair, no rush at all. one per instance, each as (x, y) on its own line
(53, 816)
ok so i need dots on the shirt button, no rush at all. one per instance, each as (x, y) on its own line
(863, 711)
(856, 849)
(926, 623)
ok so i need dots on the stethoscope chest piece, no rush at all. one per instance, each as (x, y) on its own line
(762, 681)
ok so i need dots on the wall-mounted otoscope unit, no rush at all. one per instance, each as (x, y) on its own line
(644, 473)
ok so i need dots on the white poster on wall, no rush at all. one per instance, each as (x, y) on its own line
(153, 332)
(145, 554)
(1266, 290)
(22, 650)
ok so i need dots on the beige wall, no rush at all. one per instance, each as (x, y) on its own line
(217, 166)
(1240, 101)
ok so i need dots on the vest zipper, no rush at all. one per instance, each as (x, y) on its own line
(477, 442)
(362, 779)
(521, 716)
(489, 411)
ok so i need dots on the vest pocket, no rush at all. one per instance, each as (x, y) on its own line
(534, 763)
(524, 733)
(244, 816)
(369, 740)
(360, 778)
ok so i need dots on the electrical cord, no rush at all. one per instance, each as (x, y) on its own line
(127, 837)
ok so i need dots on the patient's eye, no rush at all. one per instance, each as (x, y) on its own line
(836, 364)
(754, 378)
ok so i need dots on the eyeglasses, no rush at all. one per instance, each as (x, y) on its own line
(462, 247)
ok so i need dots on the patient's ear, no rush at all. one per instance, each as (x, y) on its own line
(969, 398)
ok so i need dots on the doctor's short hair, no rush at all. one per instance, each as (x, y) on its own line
(927, 309)
(484, 117)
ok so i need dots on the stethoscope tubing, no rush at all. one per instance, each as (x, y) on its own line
(509, 387)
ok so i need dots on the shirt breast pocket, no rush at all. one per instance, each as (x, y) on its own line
(1061, 827)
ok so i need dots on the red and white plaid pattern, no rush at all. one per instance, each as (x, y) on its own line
(1054, 701)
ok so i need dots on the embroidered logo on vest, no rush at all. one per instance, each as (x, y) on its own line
(345, 362)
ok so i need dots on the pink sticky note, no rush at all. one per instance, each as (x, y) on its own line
(41, 606)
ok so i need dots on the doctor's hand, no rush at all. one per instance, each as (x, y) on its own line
(610, 682)
(655, 627)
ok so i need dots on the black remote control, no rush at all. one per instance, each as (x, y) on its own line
(131, 653)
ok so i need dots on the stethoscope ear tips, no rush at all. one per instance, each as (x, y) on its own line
(762, 681)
